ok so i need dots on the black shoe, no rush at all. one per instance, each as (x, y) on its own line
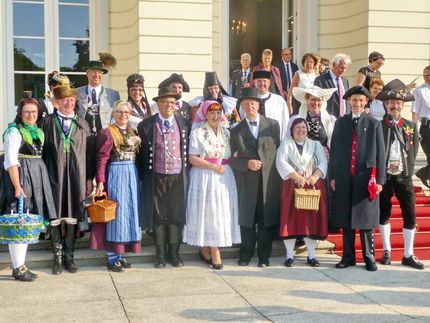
(204, 259)
(217, 266)
(263, 263)
(413, 262)
(31, 273)
(371, 266)
(159, 263)
(243, 262)
(386, 258)
(71, 267)
(116, 267)
(23, 274)
(289, 262)
(343, 264)
(313, 262)
(126, 264)
(422, 176)
(300, 242)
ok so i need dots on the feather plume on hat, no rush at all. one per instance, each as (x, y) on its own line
(107, 59)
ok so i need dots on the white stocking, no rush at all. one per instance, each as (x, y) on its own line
(17, 254)
(289, 245)
(385, 230)
(311, 245)
(408, 237)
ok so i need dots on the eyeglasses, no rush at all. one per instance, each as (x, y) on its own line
(123, 112)
(29, 112)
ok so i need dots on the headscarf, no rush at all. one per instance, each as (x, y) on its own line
(202, 112)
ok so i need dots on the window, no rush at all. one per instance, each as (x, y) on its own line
(42, 44)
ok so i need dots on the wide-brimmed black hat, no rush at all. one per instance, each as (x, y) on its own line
(175, 78)
(261, 75)
(249, 93)
(164, 92)
(211, 79)
(96, 65)
(135, 79)
(395, 90)
(358, 89)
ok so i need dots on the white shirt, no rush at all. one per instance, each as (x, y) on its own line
(12, 143)
(288, 71)
(252, 128)
(67, 122)
(276, 108)
(98, 91)
(421, 105)
(377, 110)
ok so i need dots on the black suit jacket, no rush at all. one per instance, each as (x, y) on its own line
(325, 81)
(236, 82)
(281, 65)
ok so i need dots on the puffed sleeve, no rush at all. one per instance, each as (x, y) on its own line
(282, 165)
(104, 148)
(194, 146)
(322, 159)
(12, 143)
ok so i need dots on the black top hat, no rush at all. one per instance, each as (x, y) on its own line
(175, 78)
(96, 65)
(135, 79)
(261, 75)
(164, 92)
(211, 79)
(395, 90)
(249, 93)
(358, 89)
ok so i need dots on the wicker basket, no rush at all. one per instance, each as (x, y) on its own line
(307, 198)
(101, 210)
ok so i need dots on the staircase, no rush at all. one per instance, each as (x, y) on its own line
(422, 236)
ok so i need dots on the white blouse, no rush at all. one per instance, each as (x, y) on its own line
(12, 143)
(205, 143)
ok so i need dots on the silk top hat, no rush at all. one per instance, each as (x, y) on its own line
(358, 89)
(395, 90)
(249, 93)
(65, 91)
(164, 92)
(96, 65)
(300, 93)
(261, 75)
(175, 78)
(135, 80)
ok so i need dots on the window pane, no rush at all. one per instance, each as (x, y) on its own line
(74, 21)
(29, 54)
(78, 80)
(28, 19)
(29, 82)
(74, 55)
(73, 1)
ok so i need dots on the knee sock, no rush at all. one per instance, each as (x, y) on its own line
(113, 257)
(289, 245)
(385, 230)
(17, 254)
(408, 237)
(311, 245)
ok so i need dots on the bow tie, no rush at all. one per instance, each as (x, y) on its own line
(253, 123)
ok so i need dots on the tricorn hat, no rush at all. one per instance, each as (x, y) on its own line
(261, 75)
(358, 89)
(395, 90)
(175, 78)
(135, 79)
(249, 93)
(164, 92)
(64, 91)
(211, 79)
(96, 65)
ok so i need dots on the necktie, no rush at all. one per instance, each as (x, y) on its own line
(341, 100)
(166, 123)
(397, 133)
(253, 123)
(263, 105)
(287, 68)
(93, 97)
(354, 122)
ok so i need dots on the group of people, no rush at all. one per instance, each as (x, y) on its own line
(216, 171)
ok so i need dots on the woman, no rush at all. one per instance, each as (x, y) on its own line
(301, 162)
(137, 98)
(303, 78)
(377, 108)
(313, 108)
(266, 65)
(367, 73)
(26, 176)
(212, 209)
(117, 175)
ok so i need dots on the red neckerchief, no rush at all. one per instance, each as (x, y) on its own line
(388, 121)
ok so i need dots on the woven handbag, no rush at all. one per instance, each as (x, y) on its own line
(102, 209)
(307, 198)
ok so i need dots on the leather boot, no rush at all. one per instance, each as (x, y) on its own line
(173, 245)
(160, 246)
(69, 249)
(57, 249)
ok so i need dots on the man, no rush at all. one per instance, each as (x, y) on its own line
(163, 164)
(357, 173)
(253, 144)
(95, 102)
(421, 112)
(69, 155)
(334, 79)
(272, 105)
(401, 138)
(176, 84)
(242, 77)
(287, 69)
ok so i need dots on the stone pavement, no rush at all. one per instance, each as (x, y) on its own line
(196, 293)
